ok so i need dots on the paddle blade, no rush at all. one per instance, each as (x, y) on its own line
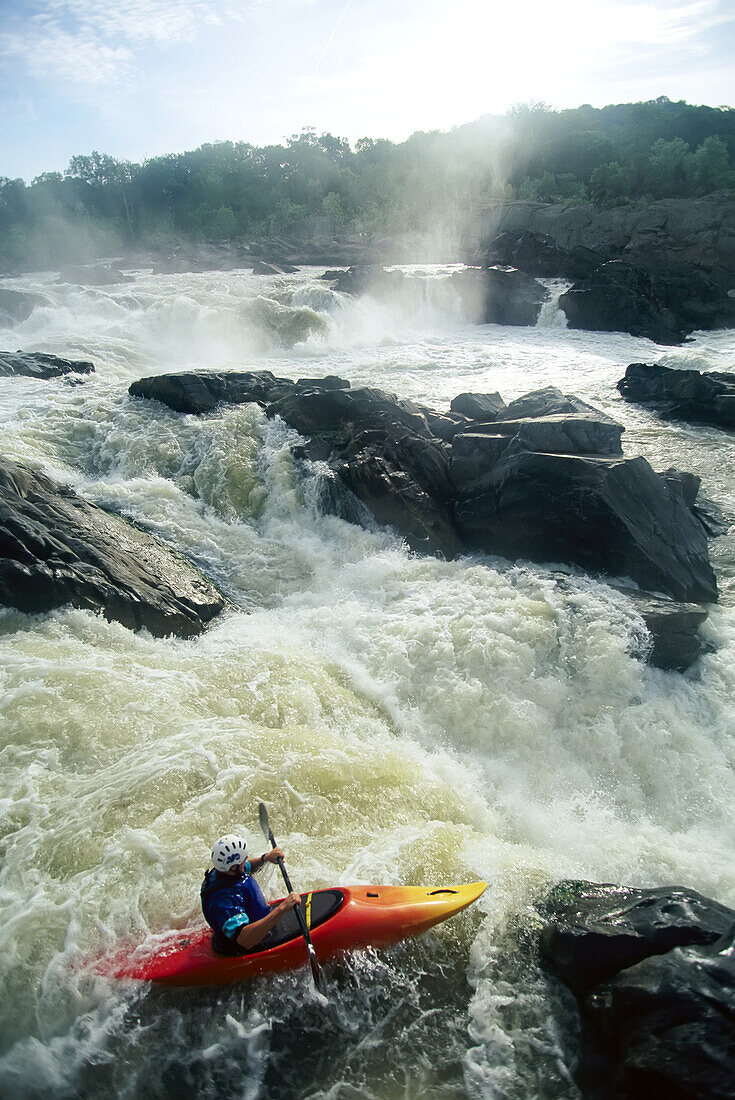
(263, 815)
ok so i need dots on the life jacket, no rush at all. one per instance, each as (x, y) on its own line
(224, 900)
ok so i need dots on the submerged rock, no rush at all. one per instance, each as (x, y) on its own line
(57, 549)
(94, 275)
(654, 974)
(542, 478)
(692, 395)
(37, 364)
(17, 305)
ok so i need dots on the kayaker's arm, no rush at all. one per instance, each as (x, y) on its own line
(251, 934)
(268, 857)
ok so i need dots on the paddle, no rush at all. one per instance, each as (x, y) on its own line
(315, 971)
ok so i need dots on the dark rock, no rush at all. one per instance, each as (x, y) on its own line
(539, 254)
(499, 296)
(444, 426)
(478, 406)
(661, 304)
(201, 391)
(550, 402)
(594, 930)
(355, 410)
(565, 433)
(667, 1026)
(36, 364)
(17, 306)
(517, 486)
(700, 398)
(94, 275)
(654, 973)
(674, 628)
(621, 298)
(57, 549)
(397, 499)
(669, 233)
(683, 482)
(612, 514)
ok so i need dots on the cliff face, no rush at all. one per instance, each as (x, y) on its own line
(669, 233)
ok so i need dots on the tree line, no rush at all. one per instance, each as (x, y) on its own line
(626, 153)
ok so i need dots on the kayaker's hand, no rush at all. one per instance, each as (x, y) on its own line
(290, 902)
(273, 856)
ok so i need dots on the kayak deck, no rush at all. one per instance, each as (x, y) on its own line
(338, 919)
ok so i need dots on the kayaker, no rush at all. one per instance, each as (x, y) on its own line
(233, 903)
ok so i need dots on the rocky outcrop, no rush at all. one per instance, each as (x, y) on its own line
(700, 398)
(661, 270)
(57, 549)
(654, 975)
(37, 364)
(664, 306)
(499, 296)
(541, 478)
(566, 240)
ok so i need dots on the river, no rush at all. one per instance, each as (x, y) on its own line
(407, 720)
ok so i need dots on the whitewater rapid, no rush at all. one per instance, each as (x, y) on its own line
(407, 720)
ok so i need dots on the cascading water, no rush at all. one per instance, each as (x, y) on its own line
(408, 720)
(550, 315)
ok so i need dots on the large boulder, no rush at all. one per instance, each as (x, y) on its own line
(654, 974)
(500, 296)
(610, 514)
(201, 391)
(700, 398)
(619, 297)
(667, 1025)
(57, 549)
(37, 364)
(663, 304)
(593, 930)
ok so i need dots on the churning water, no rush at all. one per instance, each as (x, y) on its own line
(407, 720)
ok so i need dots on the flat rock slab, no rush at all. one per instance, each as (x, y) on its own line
(58, 549)
(691, 395)
(37, 364)
(654, 974)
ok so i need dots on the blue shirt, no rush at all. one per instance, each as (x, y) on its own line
(230, 903)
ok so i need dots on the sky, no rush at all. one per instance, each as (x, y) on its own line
(137, 78)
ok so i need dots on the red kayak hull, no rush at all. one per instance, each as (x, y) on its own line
(368, 916)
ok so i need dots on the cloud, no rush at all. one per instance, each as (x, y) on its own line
(85, 43)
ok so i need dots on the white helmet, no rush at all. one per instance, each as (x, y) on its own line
(228, 851)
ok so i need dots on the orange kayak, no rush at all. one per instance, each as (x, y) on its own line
(338, 920)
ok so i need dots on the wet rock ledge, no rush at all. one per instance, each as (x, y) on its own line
(653, 972)
(57, 549)
(37, 364)
(698, 397)
(542, 478)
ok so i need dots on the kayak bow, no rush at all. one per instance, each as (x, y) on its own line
(339, 920)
